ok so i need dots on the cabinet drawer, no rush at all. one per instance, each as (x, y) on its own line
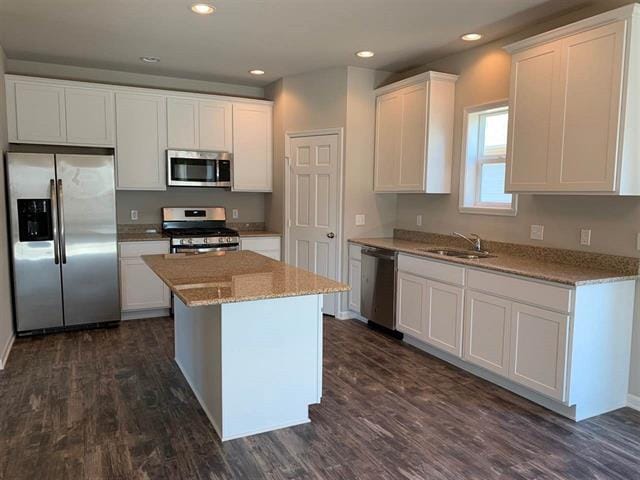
(548, 296)
(136, 249)
(430, 269)
(355, 252)
(260, 243)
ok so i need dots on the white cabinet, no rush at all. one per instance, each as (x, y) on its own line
(141, 136)
(411, 301)
(487, 333)
(140, 287)
(572, 108)
(539, 349)
(355, 277)
(90, 116)
(267, 246)
(427, 309)
(252, 147)
(414, 134)
(41, 111)
(198, 124)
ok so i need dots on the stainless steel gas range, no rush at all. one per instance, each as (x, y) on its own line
(198, 230)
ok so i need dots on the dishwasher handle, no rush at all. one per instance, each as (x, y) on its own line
(379, 254)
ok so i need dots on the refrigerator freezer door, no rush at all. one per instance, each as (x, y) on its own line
(88, 243)
(32, 197)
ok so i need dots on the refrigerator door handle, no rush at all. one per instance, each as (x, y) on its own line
(54, 220)
(63, 243)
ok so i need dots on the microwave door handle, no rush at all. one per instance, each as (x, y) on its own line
(54, 220)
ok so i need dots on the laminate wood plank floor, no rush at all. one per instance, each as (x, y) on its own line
(112, 404)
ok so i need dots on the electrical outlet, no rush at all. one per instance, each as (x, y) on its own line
(234, 213)
(419, 220)
(134, 214)
(585, 237)
(360, 220)
(537, 232)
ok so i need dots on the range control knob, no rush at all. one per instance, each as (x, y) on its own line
(186, 241)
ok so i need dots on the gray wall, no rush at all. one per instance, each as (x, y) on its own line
(148, 204)
(69, 72)
(6, 313)
(484, 77)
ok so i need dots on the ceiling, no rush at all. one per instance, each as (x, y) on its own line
(282, 37)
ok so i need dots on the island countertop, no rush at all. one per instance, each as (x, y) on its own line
(214, 278)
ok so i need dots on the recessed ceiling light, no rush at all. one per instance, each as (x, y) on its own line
(256, 72)
(203, 8)
(150, 59)
(471, 37)
(365, 54)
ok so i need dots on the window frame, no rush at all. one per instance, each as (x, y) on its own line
(473, 159)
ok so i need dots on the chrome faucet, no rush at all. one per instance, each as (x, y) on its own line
(476, 241)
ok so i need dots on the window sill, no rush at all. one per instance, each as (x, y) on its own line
(503, 212)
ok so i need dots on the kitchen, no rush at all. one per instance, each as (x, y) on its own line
(357, 155)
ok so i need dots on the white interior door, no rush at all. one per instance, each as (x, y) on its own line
(313, 208)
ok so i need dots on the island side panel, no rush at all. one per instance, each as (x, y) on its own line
(198, 354)
(271, 363)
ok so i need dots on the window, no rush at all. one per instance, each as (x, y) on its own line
(484, 161)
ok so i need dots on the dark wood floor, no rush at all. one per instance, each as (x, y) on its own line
(112, 404)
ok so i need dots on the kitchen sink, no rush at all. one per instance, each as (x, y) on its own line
(450, 252)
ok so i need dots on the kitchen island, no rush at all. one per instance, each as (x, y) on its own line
(248, 337)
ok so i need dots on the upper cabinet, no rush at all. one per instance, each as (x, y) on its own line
(573, 108)
(41, 112)
(252, 147)
(414, 134)
(141, 141)
(199, 124)
(141, 124)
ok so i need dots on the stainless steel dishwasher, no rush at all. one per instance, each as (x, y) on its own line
(377, 291)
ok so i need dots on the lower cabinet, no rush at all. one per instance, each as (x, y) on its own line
(539, 349)
(267, 246)
(411, 298)
(487, 335)
(140, 288)
(355, 277)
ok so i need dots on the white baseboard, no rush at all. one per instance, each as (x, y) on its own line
(349, 315)
(633, 401)
(5, 351)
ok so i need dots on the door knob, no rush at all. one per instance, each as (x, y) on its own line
(330, 235)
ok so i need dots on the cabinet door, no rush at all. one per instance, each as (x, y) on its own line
(414, 137)
(388, 141)
(141, 141)
(90, 117)
(40, 113)
(539, 350)
(535, 118)
(215, 125)
(141, 289)
(355, 271)
(182, 123)
(252, 147)
(592, 78)
(444, 317)
(487, 322)
(411, 298)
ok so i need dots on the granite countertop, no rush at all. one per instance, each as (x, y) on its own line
(215, 278)
(521, 264)
(258, 233)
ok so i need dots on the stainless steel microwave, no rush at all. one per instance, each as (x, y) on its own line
(192, 168)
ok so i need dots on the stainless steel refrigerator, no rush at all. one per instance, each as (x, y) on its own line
(63, 240)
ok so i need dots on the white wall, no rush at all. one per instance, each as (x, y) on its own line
(484, 77)
(6, 312)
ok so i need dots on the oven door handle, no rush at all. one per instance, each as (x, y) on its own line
(205, 249)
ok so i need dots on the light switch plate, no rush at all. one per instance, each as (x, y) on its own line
(537, 232)
(134, 214)
(419, 220)
(360, 220)
(585, 237)
(234, 213)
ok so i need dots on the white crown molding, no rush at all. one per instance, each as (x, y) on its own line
(416, 79)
